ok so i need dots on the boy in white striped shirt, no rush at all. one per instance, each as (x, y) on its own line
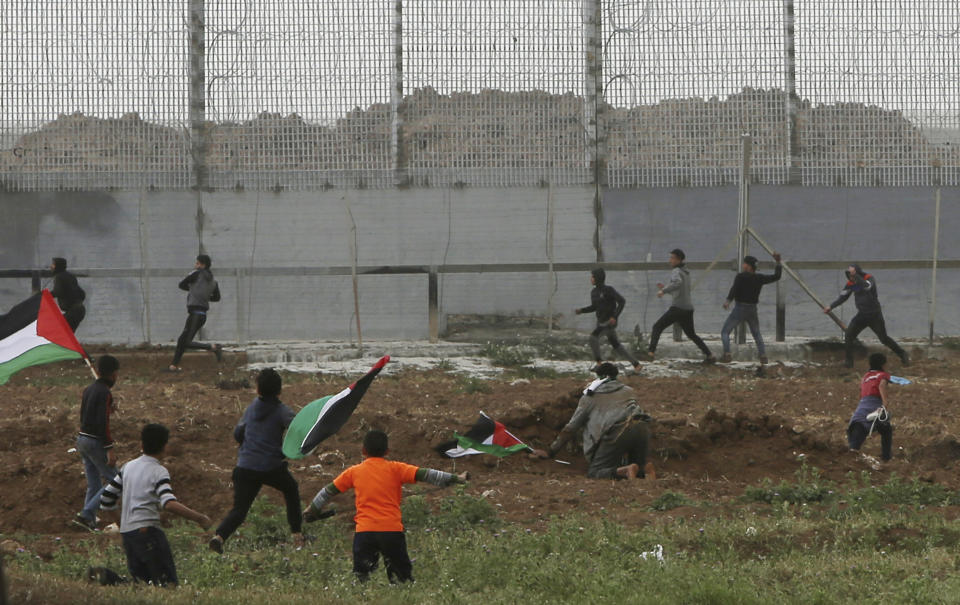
(144, 484)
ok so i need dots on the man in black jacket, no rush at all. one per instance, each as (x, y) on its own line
(745, 292)
(863, 287)
(69, 294)
(94, 441)
(607, 303)
(201, 289)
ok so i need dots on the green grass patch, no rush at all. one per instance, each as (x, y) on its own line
(470, 385)
(464, 552)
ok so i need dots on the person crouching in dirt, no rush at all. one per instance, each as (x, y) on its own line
(613, 426)
(871, 413)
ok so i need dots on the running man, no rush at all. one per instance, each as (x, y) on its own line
(681, 311)
(745, 292)
(863, 286)
(202, 289)
(607, 303)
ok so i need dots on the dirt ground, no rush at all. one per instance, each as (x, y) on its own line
(715, 433)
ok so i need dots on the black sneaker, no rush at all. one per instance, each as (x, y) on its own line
(216, 544)
(904, 359)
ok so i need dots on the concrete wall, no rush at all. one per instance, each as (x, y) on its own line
(134, 230)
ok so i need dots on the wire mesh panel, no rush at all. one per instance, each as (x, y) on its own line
(880, 82)
(355, 93)
(93, 94)
(684, 80)
(298, 93)
(494, 92)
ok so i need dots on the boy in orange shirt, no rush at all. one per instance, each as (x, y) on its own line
(379, 525)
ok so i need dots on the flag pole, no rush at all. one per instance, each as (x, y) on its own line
(86, 358)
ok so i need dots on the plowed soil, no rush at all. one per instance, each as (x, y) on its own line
(716, 433)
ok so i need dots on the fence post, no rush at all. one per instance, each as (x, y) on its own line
(743, 213)
(35, 282)
(397, 147)
(433, 307)
(781, 313)
(790, 67)
(936, 258)
(593, 110)
(677, 333)
(198, 109)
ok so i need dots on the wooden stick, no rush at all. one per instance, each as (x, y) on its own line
(797, 278)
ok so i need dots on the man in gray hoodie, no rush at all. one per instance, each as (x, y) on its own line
(201, 290)
(613, 426)
(681, 311)
(260, 460)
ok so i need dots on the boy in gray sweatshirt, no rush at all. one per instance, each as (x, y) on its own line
(201, 290)
(681, 311)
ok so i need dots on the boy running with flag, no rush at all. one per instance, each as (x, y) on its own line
(379, 524)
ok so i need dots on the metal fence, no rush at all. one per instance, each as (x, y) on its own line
(270, 95)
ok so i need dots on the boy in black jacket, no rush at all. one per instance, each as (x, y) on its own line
(608, 304)
(201, 289)
(863, 286)
(69, 294)
(746, 293)
(94, 442)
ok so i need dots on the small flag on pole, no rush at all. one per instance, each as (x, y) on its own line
(486, 436)
(35, 332)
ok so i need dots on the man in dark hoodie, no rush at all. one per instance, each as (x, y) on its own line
(201, 289)
(613, 426)
(69, 294)
(746, 293)
(681, 311)
(260, 459)
(607, 303)
(94, 442)
(863, 287)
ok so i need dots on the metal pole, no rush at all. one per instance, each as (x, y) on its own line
(354, 253)
(198, 115)
(593, 109)
(790, 67)
(743, 212)
(397, 148)
(936, 257)
(551, 276)
(797, 278)
(433, 307)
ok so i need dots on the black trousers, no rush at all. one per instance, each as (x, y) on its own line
(149, 558)
(246, 486)
(857, 434)
(684, 317)
(611, 334)
(194, 322)
(875, 322)
(74, 315)
(369, 545)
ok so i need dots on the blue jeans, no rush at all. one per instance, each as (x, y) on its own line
(742, 312)
(97, 471)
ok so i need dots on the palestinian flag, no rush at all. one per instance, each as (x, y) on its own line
(486, 436)
(33, 333)
(323, 417)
